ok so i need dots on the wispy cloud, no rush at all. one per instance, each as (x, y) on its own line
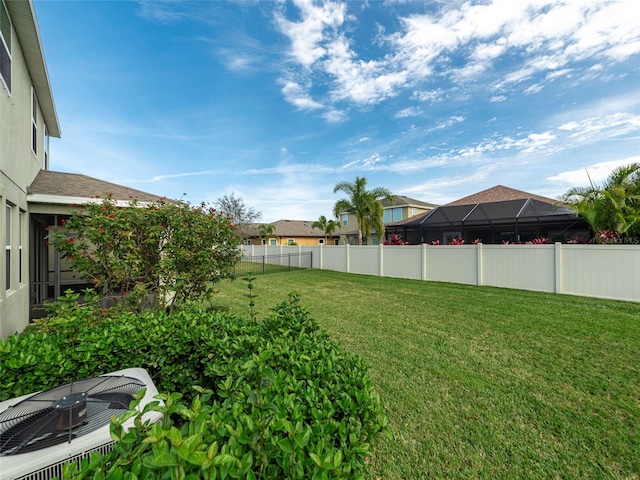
(596, 173)
(550, 38)
(408, 112)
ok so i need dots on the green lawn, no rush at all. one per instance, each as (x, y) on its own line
(481, 382)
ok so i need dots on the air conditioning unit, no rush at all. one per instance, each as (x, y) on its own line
(41, 432)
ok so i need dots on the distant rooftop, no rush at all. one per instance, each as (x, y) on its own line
(401, 200)
(499, 193)
(289, 228)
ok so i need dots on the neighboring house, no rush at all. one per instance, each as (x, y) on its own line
(27, 119)
(400, 209)
(498, 214)
(290, 232)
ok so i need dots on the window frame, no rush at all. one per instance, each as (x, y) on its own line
(321, 241)
(273, 242)
(34, 122)
(8, 243)
(5, 45)
(344, 219)
(21, 217)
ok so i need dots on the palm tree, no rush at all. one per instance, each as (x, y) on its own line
(364, 204)
(613, 206)
(327, 226)
(266, 232)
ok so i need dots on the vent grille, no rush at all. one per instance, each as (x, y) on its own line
(55, 470)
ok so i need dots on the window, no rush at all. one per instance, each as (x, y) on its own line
(249, 241)
(336, 241)
(5, 47)
(392, 215)
(321, 241)
(414, 211)
(46, 150)
(34, 121)
(7, 248)
(344, 219)
(291, 241)
(20, 234)
(273, 241)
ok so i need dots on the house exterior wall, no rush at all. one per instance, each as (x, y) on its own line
(303, 241)
(18, 168)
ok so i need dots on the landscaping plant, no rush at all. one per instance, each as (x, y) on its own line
(167, 252)
(275, 396)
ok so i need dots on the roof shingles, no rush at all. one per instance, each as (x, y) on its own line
(76, 185)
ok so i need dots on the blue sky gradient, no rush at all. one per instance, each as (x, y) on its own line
(278, 101)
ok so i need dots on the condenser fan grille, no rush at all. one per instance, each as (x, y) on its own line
(64, 413)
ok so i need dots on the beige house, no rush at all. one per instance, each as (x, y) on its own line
(400, 209)
(33, 199)
(290, 232)
(27, 119)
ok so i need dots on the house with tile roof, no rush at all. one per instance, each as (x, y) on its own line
(290, 232)
(402, 208)
(496, 215)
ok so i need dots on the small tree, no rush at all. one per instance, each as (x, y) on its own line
(267, 232)
(169, 252)
(240, 213)
(327, 226)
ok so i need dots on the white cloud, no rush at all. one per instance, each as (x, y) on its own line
(334, 115)
(296, 95)
(308, 35)
(592, 129)
(596, 173)
(407, 112)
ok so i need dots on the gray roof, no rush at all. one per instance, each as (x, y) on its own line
(402, 201)
(499, 193)
(74, 185)
(289, 228)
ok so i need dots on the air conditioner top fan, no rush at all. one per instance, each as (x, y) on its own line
(49, 427)
(64, 413)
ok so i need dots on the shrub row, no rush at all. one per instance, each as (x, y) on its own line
(276, 398)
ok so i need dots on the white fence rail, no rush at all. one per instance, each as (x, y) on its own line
(605, 271)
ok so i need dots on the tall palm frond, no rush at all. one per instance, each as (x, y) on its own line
(364, 204)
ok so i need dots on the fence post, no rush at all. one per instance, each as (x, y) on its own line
(347, 253)
(321, 257)
(479, 259)
(423, 272)
(557, 260)
(381, 260)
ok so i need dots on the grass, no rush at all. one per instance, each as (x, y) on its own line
(481, 382)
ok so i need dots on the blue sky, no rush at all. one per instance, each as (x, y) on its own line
(278, 101)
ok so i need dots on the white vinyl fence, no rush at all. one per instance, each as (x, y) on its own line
(605, 271)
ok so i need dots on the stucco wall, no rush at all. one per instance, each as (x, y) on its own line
(18, 168)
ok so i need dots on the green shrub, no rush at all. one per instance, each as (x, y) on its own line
(276, 398)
